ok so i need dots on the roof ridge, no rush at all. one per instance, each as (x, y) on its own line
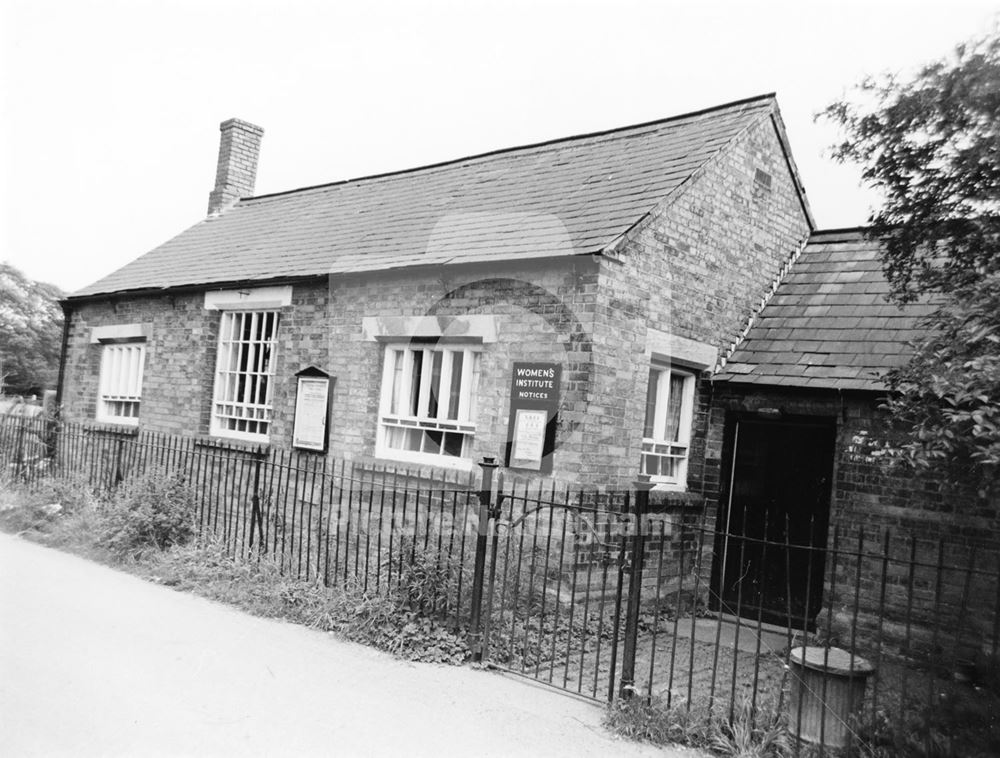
(841, 230)
(515, 148)
(775, 283)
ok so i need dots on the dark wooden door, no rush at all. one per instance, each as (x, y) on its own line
(771, 547)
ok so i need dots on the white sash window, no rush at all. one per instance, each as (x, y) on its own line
(244, 375)
(120, 390)
(666, 434)
(428, 405)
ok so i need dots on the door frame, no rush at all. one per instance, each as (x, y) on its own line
(727, 475)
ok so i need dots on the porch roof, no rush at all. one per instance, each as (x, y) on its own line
(829, 324)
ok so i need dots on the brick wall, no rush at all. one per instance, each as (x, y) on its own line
(180, 360)
(696, 268)
(543, 311)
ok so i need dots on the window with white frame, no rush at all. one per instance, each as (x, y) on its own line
(428, 406)
(666, 433)
(120, 390)
(244, 374)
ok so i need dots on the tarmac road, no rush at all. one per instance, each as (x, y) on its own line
(94, 662)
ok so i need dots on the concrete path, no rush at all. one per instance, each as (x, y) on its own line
(95, 662)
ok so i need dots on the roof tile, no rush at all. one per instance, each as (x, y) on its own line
(565, 197)
(829, 323)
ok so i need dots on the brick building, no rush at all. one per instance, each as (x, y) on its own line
(624, 260)
(613, 282)
(794, 430)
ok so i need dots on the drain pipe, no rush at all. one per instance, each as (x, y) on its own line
(53, 419)
(67, 310)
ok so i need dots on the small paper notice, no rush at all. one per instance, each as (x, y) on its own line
(310, 413)
(529, 438)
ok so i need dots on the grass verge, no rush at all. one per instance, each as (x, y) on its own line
(147, 528)
(955, 731)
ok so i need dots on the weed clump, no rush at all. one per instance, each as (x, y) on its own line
(959, 729)
(428, 582)
(652, 720)
(61, 511)
(153, 511)
(750, 731)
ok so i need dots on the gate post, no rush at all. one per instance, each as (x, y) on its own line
(642, 487)
(51, 423)
(494, 542)
(118, 477)
(19, 454)
(489, 465)
(255, 518)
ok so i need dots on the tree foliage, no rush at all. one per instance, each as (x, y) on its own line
(931, 145)
(947, 397)
(30, 332)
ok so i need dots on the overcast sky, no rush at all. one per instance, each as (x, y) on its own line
(110, 110)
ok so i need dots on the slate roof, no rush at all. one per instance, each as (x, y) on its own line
(828, 324)
(566, 197)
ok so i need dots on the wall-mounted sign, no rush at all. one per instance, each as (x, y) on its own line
(312, 405)
(534, 413)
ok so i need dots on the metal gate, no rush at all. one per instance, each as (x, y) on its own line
(553, 587)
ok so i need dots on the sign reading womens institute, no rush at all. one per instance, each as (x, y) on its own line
(534, 413)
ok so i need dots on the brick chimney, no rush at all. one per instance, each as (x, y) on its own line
(239, 148)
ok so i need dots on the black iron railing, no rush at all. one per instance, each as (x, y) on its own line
(593, 593)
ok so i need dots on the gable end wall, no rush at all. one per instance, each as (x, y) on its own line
(696, 268)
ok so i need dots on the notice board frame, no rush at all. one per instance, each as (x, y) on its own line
(314, 376)
(534, 386)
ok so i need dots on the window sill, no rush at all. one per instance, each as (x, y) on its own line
(662, 485)
(111, 427)
(661, 498)
(410, 458)
(240, 446)
(239, 438)
(411, 475)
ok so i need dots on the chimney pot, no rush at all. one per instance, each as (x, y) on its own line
(236, 173)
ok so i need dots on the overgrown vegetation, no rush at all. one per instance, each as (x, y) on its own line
(962, 723)
(256, 584)
(148, 527)
(929, 145)
(59, 511)
(956, 727)
(654, 721)
(429, 580)
(151, 512)
(751, 731)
